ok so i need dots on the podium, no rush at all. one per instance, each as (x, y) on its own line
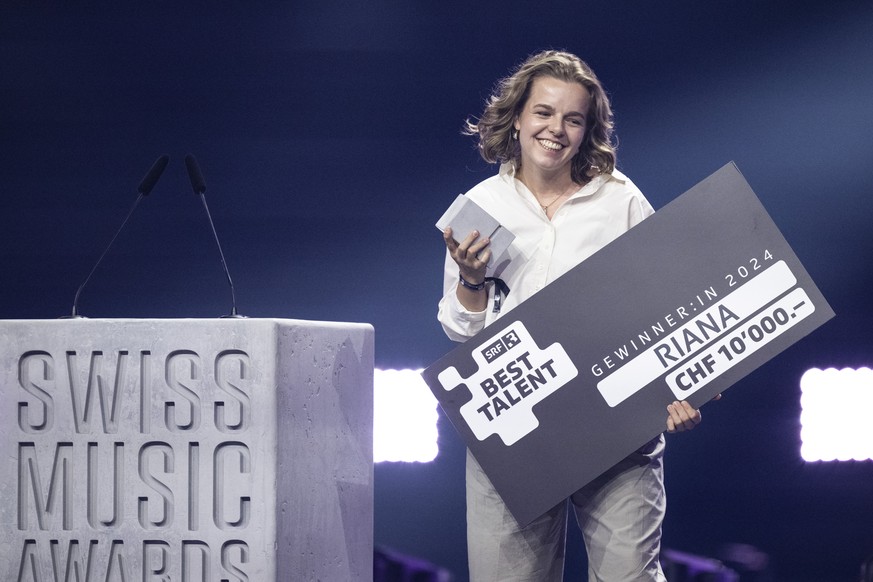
(186, 450)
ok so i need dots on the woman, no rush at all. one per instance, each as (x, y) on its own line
(558, 191)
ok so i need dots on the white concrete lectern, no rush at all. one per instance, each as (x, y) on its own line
(186, 450)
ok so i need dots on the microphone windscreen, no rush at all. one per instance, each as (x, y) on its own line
(197, 182)
(151, 177)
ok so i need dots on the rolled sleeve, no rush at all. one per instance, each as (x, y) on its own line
(458, 322)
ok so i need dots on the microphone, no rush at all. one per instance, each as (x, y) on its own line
(145, 187)
(151, 177)
(199, 187)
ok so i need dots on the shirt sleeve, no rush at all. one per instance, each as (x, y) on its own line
(638, 210)
(458, 322)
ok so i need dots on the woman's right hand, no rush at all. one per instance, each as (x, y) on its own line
(471, 255)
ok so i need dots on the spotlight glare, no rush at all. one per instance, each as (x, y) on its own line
(835, 418)
(404, 418)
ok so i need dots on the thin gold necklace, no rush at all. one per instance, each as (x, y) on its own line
(546, 207)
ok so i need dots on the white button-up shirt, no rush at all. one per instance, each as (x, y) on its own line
(543, 250)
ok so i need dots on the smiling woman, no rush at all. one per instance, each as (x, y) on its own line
(558, 191)
(550, 130)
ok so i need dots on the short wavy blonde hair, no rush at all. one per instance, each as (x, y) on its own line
(596, 154)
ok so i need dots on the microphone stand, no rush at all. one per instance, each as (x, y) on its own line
(75, 314)
(233, 312)
(198, 184)
(145, 187)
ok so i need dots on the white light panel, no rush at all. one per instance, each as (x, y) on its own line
(837, 408)
(404, 418)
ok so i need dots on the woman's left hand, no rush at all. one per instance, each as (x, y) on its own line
(681, 416)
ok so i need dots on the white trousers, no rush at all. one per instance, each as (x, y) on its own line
(620, 515)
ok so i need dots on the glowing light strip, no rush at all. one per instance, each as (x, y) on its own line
(405, 417)
(837, 406)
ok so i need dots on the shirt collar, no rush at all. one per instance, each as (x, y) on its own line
(507, 174)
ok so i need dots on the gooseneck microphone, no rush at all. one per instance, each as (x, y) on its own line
(151, 178)
(145, 187)
(199, 187)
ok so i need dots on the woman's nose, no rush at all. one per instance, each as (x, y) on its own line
(556, 126)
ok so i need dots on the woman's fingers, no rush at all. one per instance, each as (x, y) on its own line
(471, 254)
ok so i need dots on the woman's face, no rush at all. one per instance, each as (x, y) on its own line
(551, 127)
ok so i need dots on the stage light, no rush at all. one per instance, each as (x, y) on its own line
(405, 417)
(837, 406)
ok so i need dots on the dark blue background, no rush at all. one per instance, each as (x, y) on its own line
(329, 137)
